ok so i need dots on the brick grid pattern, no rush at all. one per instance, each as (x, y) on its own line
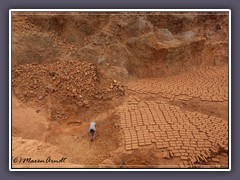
(209, 84)
(185, 134)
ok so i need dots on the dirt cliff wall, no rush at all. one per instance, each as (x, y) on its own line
(139, 44)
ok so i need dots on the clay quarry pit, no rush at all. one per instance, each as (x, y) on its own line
(155, 83)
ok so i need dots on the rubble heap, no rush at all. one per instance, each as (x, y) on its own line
(66, 82)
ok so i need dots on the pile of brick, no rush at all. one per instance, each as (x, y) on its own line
(196, 139)
(202, 160)
(66, 82)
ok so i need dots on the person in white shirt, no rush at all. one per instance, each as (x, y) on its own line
(92, 130)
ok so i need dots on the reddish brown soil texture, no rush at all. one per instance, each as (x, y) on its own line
(70, 68)
(63, 83)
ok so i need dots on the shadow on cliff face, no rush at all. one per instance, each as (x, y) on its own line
(123, 44)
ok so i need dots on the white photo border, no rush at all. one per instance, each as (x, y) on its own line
(118, 10)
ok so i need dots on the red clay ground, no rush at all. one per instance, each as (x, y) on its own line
(155, 84)
(148, 130)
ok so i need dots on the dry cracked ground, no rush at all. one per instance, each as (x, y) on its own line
(156, 85)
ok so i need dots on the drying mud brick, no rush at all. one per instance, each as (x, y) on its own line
(156, 84)
(166, 155)
(215, 160)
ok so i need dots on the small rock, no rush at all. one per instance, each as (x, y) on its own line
(121, 88)
(85, 103)
(80, 104)
(115, 81)
(74, 90)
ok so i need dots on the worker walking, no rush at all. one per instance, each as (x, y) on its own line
(92, 130)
